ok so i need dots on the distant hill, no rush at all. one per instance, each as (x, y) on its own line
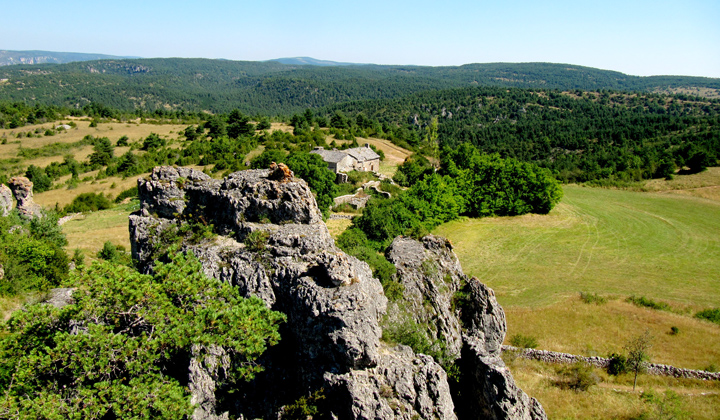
(273, 88)
(8, 58)
(309, 61)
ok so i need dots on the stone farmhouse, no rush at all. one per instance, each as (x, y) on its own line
(356, 159)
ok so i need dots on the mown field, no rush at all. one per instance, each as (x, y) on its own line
(663, 246)
(661, 242)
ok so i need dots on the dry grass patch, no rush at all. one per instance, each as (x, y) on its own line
(254, 153)
(705, 184)
(89, 232)
(337, 226)
(572, 326)
(63, 196)
(286, 128)
(613, 397)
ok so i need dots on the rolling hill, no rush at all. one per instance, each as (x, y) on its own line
(281, 89)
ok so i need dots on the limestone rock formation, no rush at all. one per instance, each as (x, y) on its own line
(22, 189)
(463, 314)
(271, 242)
(6, 200)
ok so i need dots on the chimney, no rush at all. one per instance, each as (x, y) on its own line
(367, 145)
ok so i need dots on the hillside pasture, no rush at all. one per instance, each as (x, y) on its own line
(613, 397)
(599, 330)
(663, 246)
(90, 231)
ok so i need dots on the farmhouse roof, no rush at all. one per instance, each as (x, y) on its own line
(363, 154)
(360, 154)
(330, 156)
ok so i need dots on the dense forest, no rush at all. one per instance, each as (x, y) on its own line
(581, 136)
(273, 88)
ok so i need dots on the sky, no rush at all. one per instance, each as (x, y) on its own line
(636, 37)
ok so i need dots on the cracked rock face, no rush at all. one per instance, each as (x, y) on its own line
(271, 242)
(22, 189)
(464, 313)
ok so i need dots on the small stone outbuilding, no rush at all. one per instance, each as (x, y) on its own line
(356, 159)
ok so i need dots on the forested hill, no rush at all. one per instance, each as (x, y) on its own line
(580, 135)
(275, 88)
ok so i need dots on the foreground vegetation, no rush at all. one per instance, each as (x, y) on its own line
(132, 357)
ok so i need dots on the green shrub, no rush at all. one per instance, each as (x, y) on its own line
(618, 365)
(304, 407)
(137, 334)
(409, 333)
(523, 341)
(129, 193)
(41, 182)
(78, 258)
(662, 407)
(87, 202)
(460, 299)
(257, 240)
(592, 298)
(649, 303)
(712, 315)
(109, 252)
(153, 141)
(674, 330)
(577, 377)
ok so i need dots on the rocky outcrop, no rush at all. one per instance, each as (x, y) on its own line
(208, 366)
(466, 323)
(22, 189)
(270, 242)
(59, 297)
(6, 200)
(403, 386)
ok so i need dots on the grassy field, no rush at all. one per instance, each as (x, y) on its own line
(613, 397)
(664, 246)
(90, 231)
(572, 326)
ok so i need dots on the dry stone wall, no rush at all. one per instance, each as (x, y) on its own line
(602, 362)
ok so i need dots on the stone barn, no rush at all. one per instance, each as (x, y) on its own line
(356, 159)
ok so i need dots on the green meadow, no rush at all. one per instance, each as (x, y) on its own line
(660, 245)
(664, 246)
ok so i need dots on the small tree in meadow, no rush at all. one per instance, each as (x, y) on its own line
(637, 349)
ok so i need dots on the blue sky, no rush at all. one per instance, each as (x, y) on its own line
(636, 37)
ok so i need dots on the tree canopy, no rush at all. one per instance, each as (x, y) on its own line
(122, 348)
